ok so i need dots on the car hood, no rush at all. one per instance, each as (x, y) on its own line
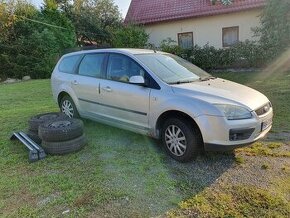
(220, 91)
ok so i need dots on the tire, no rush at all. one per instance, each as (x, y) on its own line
(61, 130)
(68, 107)
(61, 148)
(180, 139)
(34, 136)
(37, 120)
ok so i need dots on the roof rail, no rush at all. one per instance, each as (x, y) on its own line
(84, 48)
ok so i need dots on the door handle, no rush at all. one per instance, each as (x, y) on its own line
(75, 82)
(107, 89)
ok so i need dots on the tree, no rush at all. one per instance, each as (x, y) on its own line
(274, 32)
(34, 40)
(62, 28)
(9, 9)
(130, 36)
(93, 19)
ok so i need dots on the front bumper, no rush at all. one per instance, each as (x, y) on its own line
(216, 131)
(219, 147)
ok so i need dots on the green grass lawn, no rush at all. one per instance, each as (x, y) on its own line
(122, 174)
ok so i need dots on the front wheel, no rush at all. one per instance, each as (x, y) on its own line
(180, 139)
(68, 107)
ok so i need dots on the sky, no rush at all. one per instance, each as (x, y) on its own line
(122, 4)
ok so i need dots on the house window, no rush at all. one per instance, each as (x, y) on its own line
(185, 40)
(230, 36)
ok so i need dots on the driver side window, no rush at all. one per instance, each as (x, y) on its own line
(121, 68)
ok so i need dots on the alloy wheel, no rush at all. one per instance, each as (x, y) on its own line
(175, 140)
(67, 108)
(60, 124)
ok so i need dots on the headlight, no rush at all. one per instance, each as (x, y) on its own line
(234, 112)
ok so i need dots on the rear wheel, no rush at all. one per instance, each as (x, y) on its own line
(68, 107)
(180, 139)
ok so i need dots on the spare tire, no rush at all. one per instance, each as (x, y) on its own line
(37, 120)
(60, 148)
(61, 130)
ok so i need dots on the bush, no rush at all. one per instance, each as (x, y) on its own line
(169, 45)
(243, 55)
(130, 36)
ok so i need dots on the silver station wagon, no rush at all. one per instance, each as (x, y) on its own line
(162, 96)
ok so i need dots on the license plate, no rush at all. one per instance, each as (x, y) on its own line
(266, 124)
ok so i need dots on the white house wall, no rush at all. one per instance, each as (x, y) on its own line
(206, 29)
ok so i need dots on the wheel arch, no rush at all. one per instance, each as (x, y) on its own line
(176, 114)
(61, 95)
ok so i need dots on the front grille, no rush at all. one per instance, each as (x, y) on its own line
(264, 109)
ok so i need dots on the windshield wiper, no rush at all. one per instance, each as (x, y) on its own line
(207, 78)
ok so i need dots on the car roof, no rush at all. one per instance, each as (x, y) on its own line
(131, 51)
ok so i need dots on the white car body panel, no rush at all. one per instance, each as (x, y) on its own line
(223, 91)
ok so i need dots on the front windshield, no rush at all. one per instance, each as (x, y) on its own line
(171, 68)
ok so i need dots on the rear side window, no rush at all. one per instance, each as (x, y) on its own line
(67, 64)
(92, 65)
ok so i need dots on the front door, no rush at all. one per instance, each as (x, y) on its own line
(125, 103)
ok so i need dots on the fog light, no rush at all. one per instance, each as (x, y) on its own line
(240, 134)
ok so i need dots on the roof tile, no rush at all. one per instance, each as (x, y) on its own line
(152, 11)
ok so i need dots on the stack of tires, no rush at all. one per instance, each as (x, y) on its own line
(36, 121)
(57, 133)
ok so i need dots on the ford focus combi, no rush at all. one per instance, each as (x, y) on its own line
(162, 96)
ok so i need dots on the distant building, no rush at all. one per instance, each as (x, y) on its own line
(200, 22)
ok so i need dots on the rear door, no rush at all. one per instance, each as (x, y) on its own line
(127, 104)
(86, 83)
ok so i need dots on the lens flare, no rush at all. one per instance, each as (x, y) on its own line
(280, 65)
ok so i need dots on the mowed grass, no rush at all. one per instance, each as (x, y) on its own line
(118, 169)
(233, 201)
(123, 174)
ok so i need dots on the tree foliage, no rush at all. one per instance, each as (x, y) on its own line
(274, 32)
(130, 36)
(34, 39)
(92, 19)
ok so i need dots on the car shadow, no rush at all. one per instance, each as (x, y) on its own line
(193, 177)
(138, 166)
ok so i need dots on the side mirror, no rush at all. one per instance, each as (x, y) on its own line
(137, 80)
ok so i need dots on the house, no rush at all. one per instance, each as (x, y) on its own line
(220, 23)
